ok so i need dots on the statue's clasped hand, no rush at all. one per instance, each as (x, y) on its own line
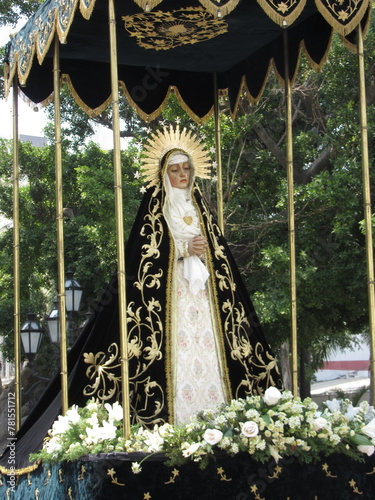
(197, 246)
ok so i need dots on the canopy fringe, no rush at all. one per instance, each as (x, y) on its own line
(86, 7)
(352, 47)
(90, 111)
(275, 13)
(217, 9)
(145, 116)
(333, 18)
(317, 66)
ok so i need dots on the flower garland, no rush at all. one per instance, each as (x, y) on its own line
(275, 425)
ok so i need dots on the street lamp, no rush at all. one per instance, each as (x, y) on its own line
(73, 296)
(53, 323)
(73, 293)
(31, 336)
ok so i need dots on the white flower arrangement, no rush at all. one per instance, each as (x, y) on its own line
(274, 425)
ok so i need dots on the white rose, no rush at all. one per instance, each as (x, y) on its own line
(272, 396)
(369, 430)
(250, 429)
(368, 449)
(212, 436)
(319, 423)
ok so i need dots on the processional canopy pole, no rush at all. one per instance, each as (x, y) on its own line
(367, 206)
(119, 222)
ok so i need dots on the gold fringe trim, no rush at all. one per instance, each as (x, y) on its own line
(336, 25)
(19, 472)
(41, 55)
(255, 99)
(63, 32)
(352, 47)
(317, 66)
(170, 386)
(147, 5)
(280, 19)
(295, 74)
(6, 80)
(85, 10)
(185, 107)
(90, 111)
(33, 104)
(145, 116)
(219, 10)
(56, 27)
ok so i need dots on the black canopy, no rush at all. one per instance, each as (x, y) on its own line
(170, 45)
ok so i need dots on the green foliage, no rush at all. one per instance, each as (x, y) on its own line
(89, 225)
(12, 10)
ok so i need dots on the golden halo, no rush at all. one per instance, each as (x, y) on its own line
(163, 141)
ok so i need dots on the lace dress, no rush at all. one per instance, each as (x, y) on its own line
(198, 382)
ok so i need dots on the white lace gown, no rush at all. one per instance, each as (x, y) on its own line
(197, 380)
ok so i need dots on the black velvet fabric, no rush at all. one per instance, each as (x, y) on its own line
(247, 48)
(226, 478)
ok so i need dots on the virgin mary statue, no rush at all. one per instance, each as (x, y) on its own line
(194, 340)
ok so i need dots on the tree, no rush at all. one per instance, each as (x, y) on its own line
(12, 10)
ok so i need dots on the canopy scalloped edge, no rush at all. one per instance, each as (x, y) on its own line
(60, 15)
(329, 9)
(279, 13)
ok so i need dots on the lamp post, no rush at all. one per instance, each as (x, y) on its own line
(73, 293)
(52, 321)
(73, 296)
(31, 336)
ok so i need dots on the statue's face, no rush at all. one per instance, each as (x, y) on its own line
(179, 175)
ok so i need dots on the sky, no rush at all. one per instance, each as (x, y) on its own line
(32, 122)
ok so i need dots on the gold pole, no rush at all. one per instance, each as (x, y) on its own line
(219, 186)
(60, 231)
(292, 242)
(367, 206)
(16, 259)
(119, 223)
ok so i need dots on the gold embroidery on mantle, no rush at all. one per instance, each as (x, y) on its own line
(257, 363)
(167, 30)
(145, 325)
(99, 371)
